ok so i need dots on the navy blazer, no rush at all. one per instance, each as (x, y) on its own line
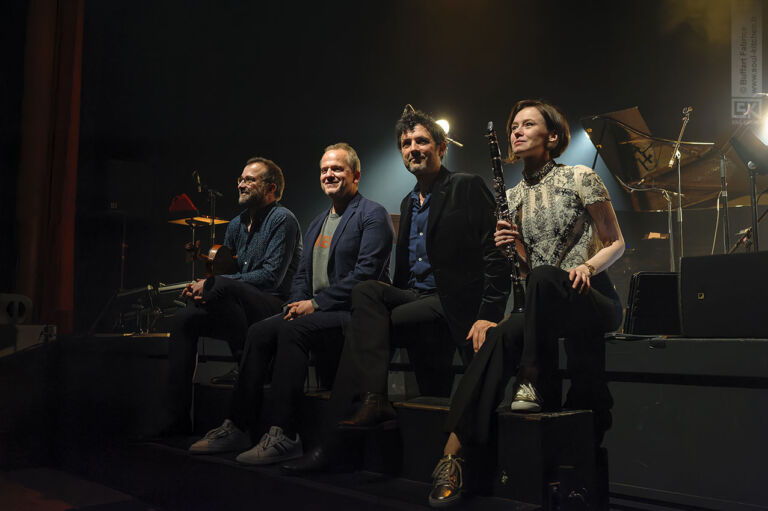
(360, 250)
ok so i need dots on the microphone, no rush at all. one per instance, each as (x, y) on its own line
(196, 179)
(675, 152)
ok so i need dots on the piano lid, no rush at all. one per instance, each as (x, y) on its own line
(639, 160)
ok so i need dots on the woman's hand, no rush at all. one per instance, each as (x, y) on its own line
(505, 234)
(477, 333)
(580, 278)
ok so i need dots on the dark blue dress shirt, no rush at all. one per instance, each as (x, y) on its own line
(422, 277)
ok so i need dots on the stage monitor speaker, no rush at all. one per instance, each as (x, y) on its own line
(652, 305)
(724, 296)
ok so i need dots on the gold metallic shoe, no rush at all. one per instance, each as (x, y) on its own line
(447, 481)
(526, 399)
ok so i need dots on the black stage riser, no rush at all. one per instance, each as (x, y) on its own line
(689, 420)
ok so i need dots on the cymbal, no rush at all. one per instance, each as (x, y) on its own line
(198, 221)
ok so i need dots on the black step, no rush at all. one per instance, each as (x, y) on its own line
(167, 475)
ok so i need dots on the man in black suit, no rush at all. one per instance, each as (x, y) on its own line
(447, 270)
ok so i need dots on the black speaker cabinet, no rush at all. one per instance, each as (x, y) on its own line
(547, 459)
(725, 296)
(652, 305)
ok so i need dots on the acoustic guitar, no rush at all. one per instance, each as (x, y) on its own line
(219, 261)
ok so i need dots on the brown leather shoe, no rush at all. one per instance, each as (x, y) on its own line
(447, 481)
(375, 412)
(228, 378)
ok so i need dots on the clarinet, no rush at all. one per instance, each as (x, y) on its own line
(503, 213)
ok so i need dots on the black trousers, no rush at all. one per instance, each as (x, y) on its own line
(230, 308)
(382, 316)
(289, 342)
(553, 310)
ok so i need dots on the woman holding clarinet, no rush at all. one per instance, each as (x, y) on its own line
(563, 236)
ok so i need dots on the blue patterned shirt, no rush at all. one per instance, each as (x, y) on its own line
(269, 254)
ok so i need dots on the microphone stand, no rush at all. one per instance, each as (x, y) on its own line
(755, 221)
(666, 194)
(212, 194)
(724, 195)
(676, 157)
(745, 235)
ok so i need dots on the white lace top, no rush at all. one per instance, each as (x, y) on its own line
(552, 218)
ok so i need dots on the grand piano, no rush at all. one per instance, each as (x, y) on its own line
(639, 160)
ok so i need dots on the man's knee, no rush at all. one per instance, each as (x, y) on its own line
(262, 336)
(290, 334)
(188, 319)
(366, 290)
(218, 288)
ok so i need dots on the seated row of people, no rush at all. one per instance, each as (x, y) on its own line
(449, 268)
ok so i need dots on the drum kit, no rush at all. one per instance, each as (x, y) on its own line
(219, 259)
(144, 309)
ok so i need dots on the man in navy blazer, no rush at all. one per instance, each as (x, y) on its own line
(349, 243)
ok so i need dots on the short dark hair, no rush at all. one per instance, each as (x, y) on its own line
(273, 175)
(553, 116)
(411, 118)
(352, 159)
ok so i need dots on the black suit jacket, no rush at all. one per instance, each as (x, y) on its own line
(472, 275)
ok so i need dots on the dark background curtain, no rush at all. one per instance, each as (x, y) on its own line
(46, 187)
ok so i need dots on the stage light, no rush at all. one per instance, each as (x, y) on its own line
(444, 124)
(754, 154)
(751, 150)
(581, 151)
(763, 132)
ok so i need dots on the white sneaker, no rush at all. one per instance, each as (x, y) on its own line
(526, 399)
(273, 447)
(225, 438)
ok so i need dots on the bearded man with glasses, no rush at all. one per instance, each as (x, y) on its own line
(267, 240)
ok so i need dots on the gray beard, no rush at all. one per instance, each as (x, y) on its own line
(254, 200)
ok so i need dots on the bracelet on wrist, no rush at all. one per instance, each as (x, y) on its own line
(591, 268)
